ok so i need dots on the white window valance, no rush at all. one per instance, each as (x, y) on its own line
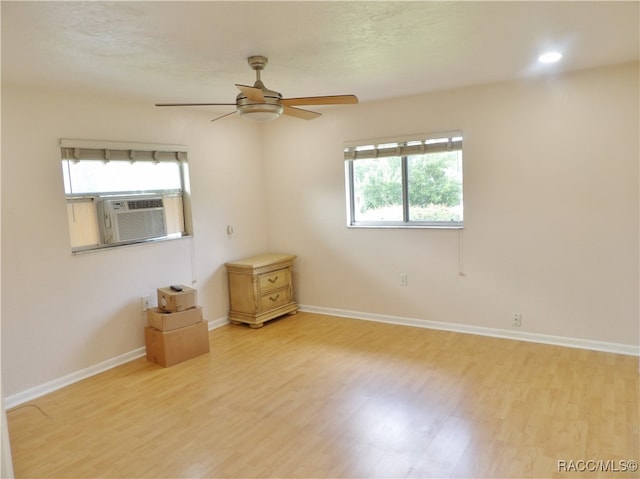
(114, 150)
(415, 145)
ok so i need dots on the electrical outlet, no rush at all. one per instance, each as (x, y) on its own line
(517, 320)
(144, 302)
(403, 279)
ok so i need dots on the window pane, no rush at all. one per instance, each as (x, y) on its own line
(88, 176)
(83, 224)
(174, 214)
(435, 186)
(377, 186)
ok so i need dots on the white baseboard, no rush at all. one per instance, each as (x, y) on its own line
(216, 323)
(50, 386)
(617, 348)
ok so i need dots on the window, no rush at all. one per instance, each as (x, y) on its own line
(414, 182)
(120, 193)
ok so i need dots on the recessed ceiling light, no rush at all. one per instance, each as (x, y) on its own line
(550, 57)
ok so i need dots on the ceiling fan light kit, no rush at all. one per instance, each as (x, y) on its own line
(258, 103)
(261, 112)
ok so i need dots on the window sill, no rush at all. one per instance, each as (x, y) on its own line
(96, 248)
(434, 226)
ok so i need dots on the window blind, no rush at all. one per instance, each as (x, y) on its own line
(404, 147)
(111, 150)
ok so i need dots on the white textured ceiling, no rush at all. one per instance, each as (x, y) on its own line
(196, 51)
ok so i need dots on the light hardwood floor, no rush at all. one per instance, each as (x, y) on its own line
(313, 396)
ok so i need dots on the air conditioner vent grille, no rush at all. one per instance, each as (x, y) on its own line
(144, 203)
(140, 225)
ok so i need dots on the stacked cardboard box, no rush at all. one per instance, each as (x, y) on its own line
(175, 330)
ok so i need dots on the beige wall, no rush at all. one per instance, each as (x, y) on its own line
(551, 217)
(551, 209)
(63, 313)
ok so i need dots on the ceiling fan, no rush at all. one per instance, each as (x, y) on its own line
(258, 103)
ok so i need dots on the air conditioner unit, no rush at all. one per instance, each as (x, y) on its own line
(131, 219)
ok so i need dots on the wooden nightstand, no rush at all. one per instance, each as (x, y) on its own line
(260, 288)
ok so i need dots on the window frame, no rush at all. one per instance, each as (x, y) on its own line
(350, 154)
(89, 150)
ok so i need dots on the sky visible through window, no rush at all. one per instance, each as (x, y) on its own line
(92, 177)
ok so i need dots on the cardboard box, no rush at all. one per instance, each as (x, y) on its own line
(163, 321)
(173, 347)
(175, 301)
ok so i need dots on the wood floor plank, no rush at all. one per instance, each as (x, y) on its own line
(324, 397)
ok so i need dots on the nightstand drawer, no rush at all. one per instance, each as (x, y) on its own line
(274, 280)
(274, 299)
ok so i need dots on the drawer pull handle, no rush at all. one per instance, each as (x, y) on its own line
(276, 298)
(273, 280)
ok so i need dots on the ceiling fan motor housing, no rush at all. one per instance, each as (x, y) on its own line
(260, 111)
(268, 110)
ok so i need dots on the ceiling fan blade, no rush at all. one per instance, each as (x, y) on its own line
(195, 104)
(226, 114)
(300, 113)
(252, 93)
(321, 100)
